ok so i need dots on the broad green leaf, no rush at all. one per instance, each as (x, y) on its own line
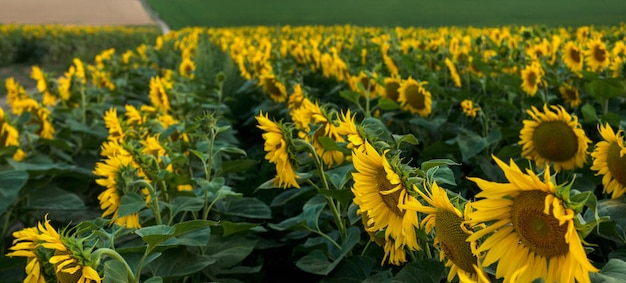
(603, 89)
(293, 223)
(312, 213)
(54, 199)
(343, 196)
(408, 138)
(248, 207)
(441, 175)
(52, 169)
(612, 118)
(131, 203)
(437, 162)
(589, 113)
(425, 271)
(154, 279)
(229, 251)
(288, 196)
(193, 232)
(388, 104)
(352, 269)
(329, 144)
(12, 182)
(316, 261)
(376, 128)
(154, 235)
(184, 203)
(237, 227)
(339, 176)
(229, 166)
(613, 271)
(614, 208)
(470, 144)
(115, 272)
(180, 262)
(351, 96)
(197, 238)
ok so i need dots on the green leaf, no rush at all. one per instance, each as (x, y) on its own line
(339, 176)
(229, 251)
(329, 144)
(427, 165)
(441, 175)
(424, 271)
(12, 182)
(351, 96)
(612, 118)
(470, 144)
(603, 89)
(613, 271)
(184, 203)
(352, 269)
(614, 208)
(230, 166)
(131, 203)
(236, 227)
(343, 196)
(157, 234)
(154, 279)
(154, 235)
(248, 207)
(52, 169)
(388, 104)
(54, 199)
(376, 128)
(316, 261)
(589, 113)
(180, 262)
(408, 138)
(114, 272)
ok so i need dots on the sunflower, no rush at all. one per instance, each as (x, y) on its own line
(618, 66)
(469, 109)
(454, 73)
(529, 227)
(554, 137)
(392, 85)
(25, 245)
(596, 55)
(570, 94)
(42, 85)
(277, 143)
(186, 68)
(414, 97)
(609, 160)
(347, 127)
(274, 88)
(158, 94)
(379, 192)
(573, 57)
(531, 78)
(448, 224)
(72, 264)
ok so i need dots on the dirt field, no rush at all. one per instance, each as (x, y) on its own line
(74, 12)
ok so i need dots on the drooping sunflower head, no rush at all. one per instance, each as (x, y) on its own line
(273, 88)
(277, 142)
(596, 55)
(618, 66)
(454, 73)
(570, 94)
(609, 160)
(414, 97)
(572, 56)
(448, 225)
(527, 226)
(380, 192)
(158, 94)
(554, 137)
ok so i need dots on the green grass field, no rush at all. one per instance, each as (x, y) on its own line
(425, 13)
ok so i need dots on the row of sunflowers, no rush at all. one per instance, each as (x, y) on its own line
(322, 154)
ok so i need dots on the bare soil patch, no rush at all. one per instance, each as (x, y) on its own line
(74, 12)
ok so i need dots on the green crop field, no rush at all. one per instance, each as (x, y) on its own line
(181, 13)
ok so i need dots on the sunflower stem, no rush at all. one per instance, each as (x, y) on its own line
(101, 252)
(325, 237)
(154, 200)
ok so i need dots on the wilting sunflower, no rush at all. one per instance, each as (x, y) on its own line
(277, 143)
(609, 160)
(454, 73)
(554, 137)
(528, 227)
(573, 57)
(414, 97)
(570, 94)
(379, 192)
(596, 55)
(448, 224)
(531, 77)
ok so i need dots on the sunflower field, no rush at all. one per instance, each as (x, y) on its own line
(322, 154)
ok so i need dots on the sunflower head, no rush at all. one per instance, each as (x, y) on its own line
(609, 160)
(273, 87)
(572, 56)
(413, 97)
(596, 55)
(528, 225)
(570, 94)
(554, 136)
(392, 86)
(531, 78)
